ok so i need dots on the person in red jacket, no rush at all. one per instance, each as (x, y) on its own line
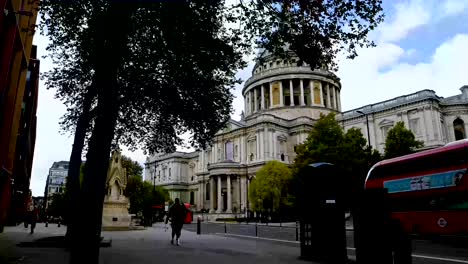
(177, 214)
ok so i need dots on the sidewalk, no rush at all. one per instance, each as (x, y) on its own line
(149, 246)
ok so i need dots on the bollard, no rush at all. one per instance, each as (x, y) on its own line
(58, 223)
(225, 228)
(256, 230)
(198, 225)
(46, 224)
(297, 232)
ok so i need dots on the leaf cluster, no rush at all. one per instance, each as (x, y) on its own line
(177, 72)
(270, 189)
(400, 141)
(317, 30)
(142, 195)
(327, 142)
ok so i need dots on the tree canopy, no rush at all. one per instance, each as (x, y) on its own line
(270, 189)
(314, 30)
(327, 142)
(142, 196)
(400, 141)
(134, 169)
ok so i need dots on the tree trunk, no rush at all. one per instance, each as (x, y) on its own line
(73, 179)
(110, 34)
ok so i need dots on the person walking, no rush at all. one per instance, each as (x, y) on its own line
(177, 213)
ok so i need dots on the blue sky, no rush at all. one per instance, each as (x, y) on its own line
(421, 45)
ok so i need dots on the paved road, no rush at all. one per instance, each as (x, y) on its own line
(149, 246)
(424, 251)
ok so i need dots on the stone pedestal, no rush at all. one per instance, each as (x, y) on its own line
(115, 215)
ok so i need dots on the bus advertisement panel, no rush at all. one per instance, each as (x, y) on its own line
(428, 190)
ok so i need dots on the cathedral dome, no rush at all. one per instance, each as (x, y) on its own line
(282, 88)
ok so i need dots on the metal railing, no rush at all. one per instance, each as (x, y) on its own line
(277, 231)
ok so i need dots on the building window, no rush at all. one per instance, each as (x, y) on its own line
(169, 173)
(207, 192)
(229, 148)
(414, 126)
(385, 130)
(459, 129)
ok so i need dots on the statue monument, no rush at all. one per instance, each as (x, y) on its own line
(115, 214)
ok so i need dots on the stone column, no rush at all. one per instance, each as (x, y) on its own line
(311, 88)
(229, 197)
(242, 191)
(212, 195)
(262, 94)
(281, 94)
(255, 100)
(239, 193)
(321, 94)
(338, 99)
(247, 192)
(302, 91)
(274, 146)
(334, 98)
(271, 95)
(246, 106)
(328, 96)
(220, 198)
(291, 92)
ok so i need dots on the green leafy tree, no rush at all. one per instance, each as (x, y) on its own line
(142, 196)
(134, 169)
(270, 190)
(327, 142)
(314, 30)
(400, 141)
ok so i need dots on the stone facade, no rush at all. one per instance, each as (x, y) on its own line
(115, 211)
(434, 120)
(56, 180)
(282, 103)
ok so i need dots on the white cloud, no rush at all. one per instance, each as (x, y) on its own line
(408, 16)
(444, 73)
(453, 7)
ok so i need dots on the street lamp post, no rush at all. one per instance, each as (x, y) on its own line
(367, 124)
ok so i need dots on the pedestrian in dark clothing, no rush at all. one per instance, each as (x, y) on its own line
(33, 219)
(177, 213)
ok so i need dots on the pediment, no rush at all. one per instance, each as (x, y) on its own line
(386, 122)
(231, 124)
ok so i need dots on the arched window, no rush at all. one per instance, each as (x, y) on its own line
(459, 129)
(229, 148)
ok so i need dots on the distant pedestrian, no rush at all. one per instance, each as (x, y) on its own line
(177, 213)
(33, 219)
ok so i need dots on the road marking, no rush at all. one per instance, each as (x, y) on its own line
(349, 248)
(437, 258)
(261, 238)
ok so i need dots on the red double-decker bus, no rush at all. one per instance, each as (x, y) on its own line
(428, 190)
